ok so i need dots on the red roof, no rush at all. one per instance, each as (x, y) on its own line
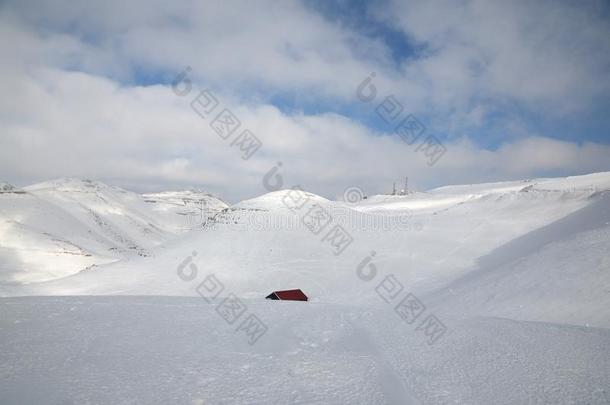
(288, 295)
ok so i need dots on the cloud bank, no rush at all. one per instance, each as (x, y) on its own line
(87, 92)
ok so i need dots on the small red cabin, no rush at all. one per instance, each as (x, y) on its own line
(288, 295)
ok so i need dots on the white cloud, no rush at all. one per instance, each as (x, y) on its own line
(233, 44)
(146, 137)
(550, 56)
(66, 110)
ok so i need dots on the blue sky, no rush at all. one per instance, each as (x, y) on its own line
(512, 89)
(359, 16)
(591, 125)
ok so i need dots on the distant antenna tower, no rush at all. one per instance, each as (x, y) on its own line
(394, 188)
(406, 185)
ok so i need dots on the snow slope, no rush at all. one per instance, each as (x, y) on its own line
(41, 241)
(184, 210)
(120, 216)
(261, 244)
(161, 350)
(7, 188)
(558, 273)
(518, 273)
(58, 228)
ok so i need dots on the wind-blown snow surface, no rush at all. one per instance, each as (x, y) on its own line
(518, 272)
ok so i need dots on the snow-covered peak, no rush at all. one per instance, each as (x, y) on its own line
(6, 187)
(183, 196)
(278, 199)
(77, 184)
(184, 210)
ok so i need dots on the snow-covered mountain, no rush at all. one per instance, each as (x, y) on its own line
(58, 228)
(7, 188)
(184, 210)
(517, 273)
(428, 239)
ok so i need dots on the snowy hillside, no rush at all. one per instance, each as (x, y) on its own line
(428, 240)
(516, 273)
(7, 188)
(58, 228)
(184, 210)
